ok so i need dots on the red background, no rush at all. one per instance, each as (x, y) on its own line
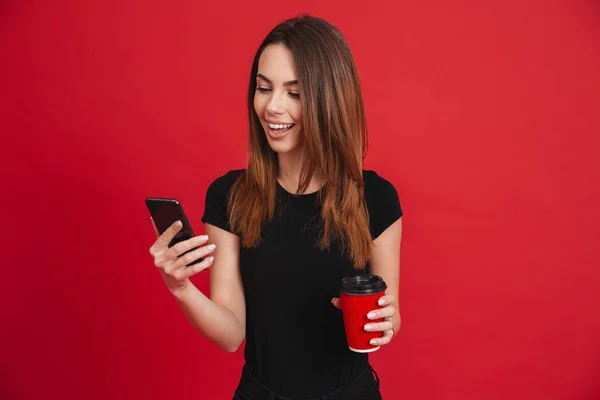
(484, 114)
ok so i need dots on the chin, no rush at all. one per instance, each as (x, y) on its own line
(282, 148)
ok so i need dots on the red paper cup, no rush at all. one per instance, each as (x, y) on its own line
(359, 295)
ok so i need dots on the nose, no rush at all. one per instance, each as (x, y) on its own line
(275, 105)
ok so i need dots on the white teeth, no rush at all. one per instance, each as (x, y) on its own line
(280, 126)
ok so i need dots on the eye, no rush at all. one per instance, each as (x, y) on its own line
(294, 95)
(262, 89)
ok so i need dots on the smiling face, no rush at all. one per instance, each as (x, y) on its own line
(277, 100)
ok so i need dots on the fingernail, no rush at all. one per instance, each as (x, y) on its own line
(371, 315)
(368, 327)
(178, 224)
(211, 247)
(211, 259)
(373, 342)
(381, 302)
(202, 238)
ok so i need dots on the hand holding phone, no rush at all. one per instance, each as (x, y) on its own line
(165, 212)
(177, 252)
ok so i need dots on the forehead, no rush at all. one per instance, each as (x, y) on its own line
(277, 63)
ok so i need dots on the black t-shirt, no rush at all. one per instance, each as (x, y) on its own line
(295, 339)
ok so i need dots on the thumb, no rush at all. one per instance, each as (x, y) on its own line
(154, 226)
(336, 302)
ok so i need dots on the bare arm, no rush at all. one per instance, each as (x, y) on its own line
(222, 318)
(385, 262)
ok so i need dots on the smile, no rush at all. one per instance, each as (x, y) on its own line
(280, 126)
(279, 130)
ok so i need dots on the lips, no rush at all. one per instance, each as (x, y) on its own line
(279, 125)
(278, 131)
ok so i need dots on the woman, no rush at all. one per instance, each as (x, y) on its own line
(284, 231)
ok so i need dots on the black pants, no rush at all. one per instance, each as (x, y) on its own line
(364, 387)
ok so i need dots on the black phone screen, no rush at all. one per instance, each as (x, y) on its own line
(165, 212)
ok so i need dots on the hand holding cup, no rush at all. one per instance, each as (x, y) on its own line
(367, 312)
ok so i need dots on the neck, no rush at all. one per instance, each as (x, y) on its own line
(290, 166)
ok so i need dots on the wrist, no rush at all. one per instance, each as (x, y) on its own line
(181, 292)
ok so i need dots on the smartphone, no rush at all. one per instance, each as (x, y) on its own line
(165, 212)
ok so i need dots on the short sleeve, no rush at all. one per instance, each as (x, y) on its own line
(383, 203)
(217, 196)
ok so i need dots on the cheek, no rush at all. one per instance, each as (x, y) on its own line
(296, 113)
(258, 107)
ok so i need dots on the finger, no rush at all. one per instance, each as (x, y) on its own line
(385, 300)
(336, 302)
(153, 248)
(385, 339)
(385, 312)
(163, 259)
(378, 326)
(163, 240)
(192, 256)
(188, 244)
(173, 260)
(184, 273)
(154, 226)
(171, 231)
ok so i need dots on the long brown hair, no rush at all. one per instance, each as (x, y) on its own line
(335, 140)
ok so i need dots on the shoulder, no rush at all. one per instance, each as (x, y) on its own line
(229, 177)
(377, 187)
(222, 185)
(382, 201)
(217, 198)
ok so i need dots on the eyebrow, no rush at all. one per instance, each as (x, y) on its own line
(288, 83)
